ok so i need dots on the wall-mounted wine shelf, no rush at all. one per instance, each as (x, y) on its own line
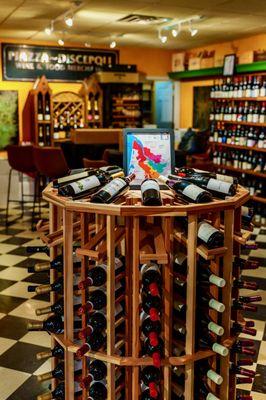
(239, 147)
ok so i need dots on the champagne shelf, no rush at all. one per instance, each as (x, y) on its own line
(141, 235)
(263, 125)
(243, 171)
(240, 147)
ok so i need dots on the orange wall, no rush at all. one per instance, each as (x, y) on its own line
(257, 42)
(153, 62)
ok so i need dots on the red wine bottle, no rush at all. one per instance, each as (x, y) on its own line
(240, 380)
(186, 172)
(93, 343)
(57, 352)
(241, 284)
(203, 391)
(74, 175)
(112, 189)
(145, 395)
(58, 307)
(241, 348)
(209, 235)
(97, 391)
(156, 352)
(237, 328)
(150, 376)
(97, 372)
(97, 275)
(238, 305)
(249, 299)
(97, 301)
(53, 324)
(188, 190)
(242, 371)
(150, 329)
(58, 373)
(244, 361)
(151, 278)
(243, 397)
(245, 264)
(152, 306)
(150, 193)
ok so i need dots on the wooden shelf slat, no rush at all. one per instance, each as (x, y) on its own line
(259, 199)
(239, 98)
(240, 147)
(263, 125)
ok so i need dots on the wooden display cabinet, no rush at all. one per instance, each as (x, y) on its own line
(92, 94)
(144, 235)
(37, 114)
(68, 113)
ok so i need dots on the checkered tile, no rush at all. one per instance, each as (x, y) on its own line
(18, 347)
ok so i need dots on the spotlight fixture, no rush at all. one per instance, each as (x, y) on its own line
(176, 31)
(192, 31)
(60, 42)
(49, 29)
(113, 44)
(87, 44)
(69, 21)
(163, 38)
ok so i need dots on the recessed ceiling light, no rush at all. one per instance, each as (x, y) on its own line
(69, 21)
(60, 42)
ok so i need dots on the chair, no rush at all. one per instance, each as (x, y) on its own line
(20, 159)
(109, 157)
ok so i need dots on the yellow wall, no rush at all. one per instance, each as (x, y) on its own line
(153, 62)
(257, 42)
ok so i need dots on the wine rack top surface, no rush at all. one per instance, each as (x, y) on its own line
(129, 204)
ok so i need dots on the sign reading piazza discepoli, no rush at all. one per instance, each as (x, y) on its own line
(26, 63)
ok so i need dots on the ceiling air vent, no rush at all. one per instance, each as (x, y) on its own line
(143, 19)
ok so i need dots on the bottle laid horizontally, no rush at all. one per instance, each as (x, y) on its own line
(150, 193)
(58, 307)
(241, 371)
(77, 174)
(243, 303)
(208, 341)
(150, 329)
(154, 351)
(206, 322)
(59, 392)
(244, 347)
(57, 264)
(38, 249)
(188, 190)
(53, 324)
(94, 342)
(87, 186)
(151, 278)
(112, 190)
(57, 286)
(238, 328)
(188, 172)
(240, 380)
(209, 235)
(206, 276)
(204, 369)
(243, 264)
(203, 391)
(151, 376)
(97, 275)
(152, 306)
(205, 298)
(242, 284)
(97, 372)
(179, 328)
(216, 187)
(57, 352)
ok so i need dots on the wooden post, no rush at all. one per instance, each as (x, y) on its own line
(110, 293)
(135, 307)
(191, 301)
(128, 302)
(68, 301)
(227, 297)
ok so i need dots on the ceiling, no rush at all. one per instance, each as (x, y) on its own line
(96, 21)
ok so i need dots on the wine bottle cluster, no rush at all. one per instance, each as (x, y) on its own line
(251, 112)
(245, 160)
(239, 87)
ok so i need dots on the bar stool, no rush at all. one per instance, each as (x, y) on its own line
(20, 159)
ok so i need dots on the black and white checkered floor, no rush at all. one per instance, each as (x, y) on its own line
(18, 347)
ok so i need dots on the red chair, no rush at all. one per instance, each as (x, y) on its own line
(50, 162)
(20, 159)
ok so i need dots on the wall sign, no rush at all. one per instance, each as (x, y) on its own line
(26, 63)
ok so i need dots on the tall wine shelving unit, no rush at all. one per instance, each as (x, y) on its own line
(144, 235)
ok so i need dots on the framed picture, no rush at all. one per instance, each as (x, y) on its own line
(8, 118)
(201, 107)
(229, 65)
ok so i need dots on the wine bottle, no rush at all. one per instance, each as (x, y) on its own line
(209, 235)
(237, 328)
(216, 187)
(188, 190)
(97, 372)
(180, 262)
(97, 275)
(40, 107)
(47, 113)
(204, 392)
(208, 342)
(205, 298)
(156, 352)
(57, 287)
(206, 322)
(150, 193)
(241, 284)
(151, 278)
(145, 395)
(186, 172)
(245, 264)
(97, 301)
(242, 371)
(151, 329)
(244, 347)
(203, 367)
(152, 306)
(53, 324)
(57, 352)
(249, 299)
(59, 182)
(205, 275)
(150, 376)
(38, 249)
(111, 190)
(58, 307)
(244, 361)
(179, 329)
(179, 306)
(93, 343)
(59, 392)
(87, 186)
(97, 391)
(58, 373)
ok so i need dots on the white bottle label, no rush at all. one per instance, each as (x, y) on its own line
(85, 184)
(219, 186)
(149, 184)
(192, 191)
(115, 186)
(224, 178)
(180, 258)
(205, 231)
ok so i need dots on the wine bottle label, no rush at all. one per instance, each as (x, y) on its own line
(211, 396)
(219, 186)
(219, 349)
(216, 305)
(217, 329)
(148, 185)
(180, 258)
(114, 187)
(216, 280)
(205, 231)
(224, 178)
(149, 267)
(86, 184)
(213, 376)
(192, 191)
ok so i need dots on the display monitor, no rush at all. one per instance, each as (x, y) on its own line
(147, 151)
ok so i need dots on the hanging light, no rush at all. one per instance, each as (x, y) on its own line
(61, 42)
(176, 31)
(113, 44)
(69, 21)
(192, 31)
(163, 38)
(49, 29)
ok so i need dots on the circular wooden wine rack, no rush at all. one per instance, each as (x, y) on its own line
(143, 235)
